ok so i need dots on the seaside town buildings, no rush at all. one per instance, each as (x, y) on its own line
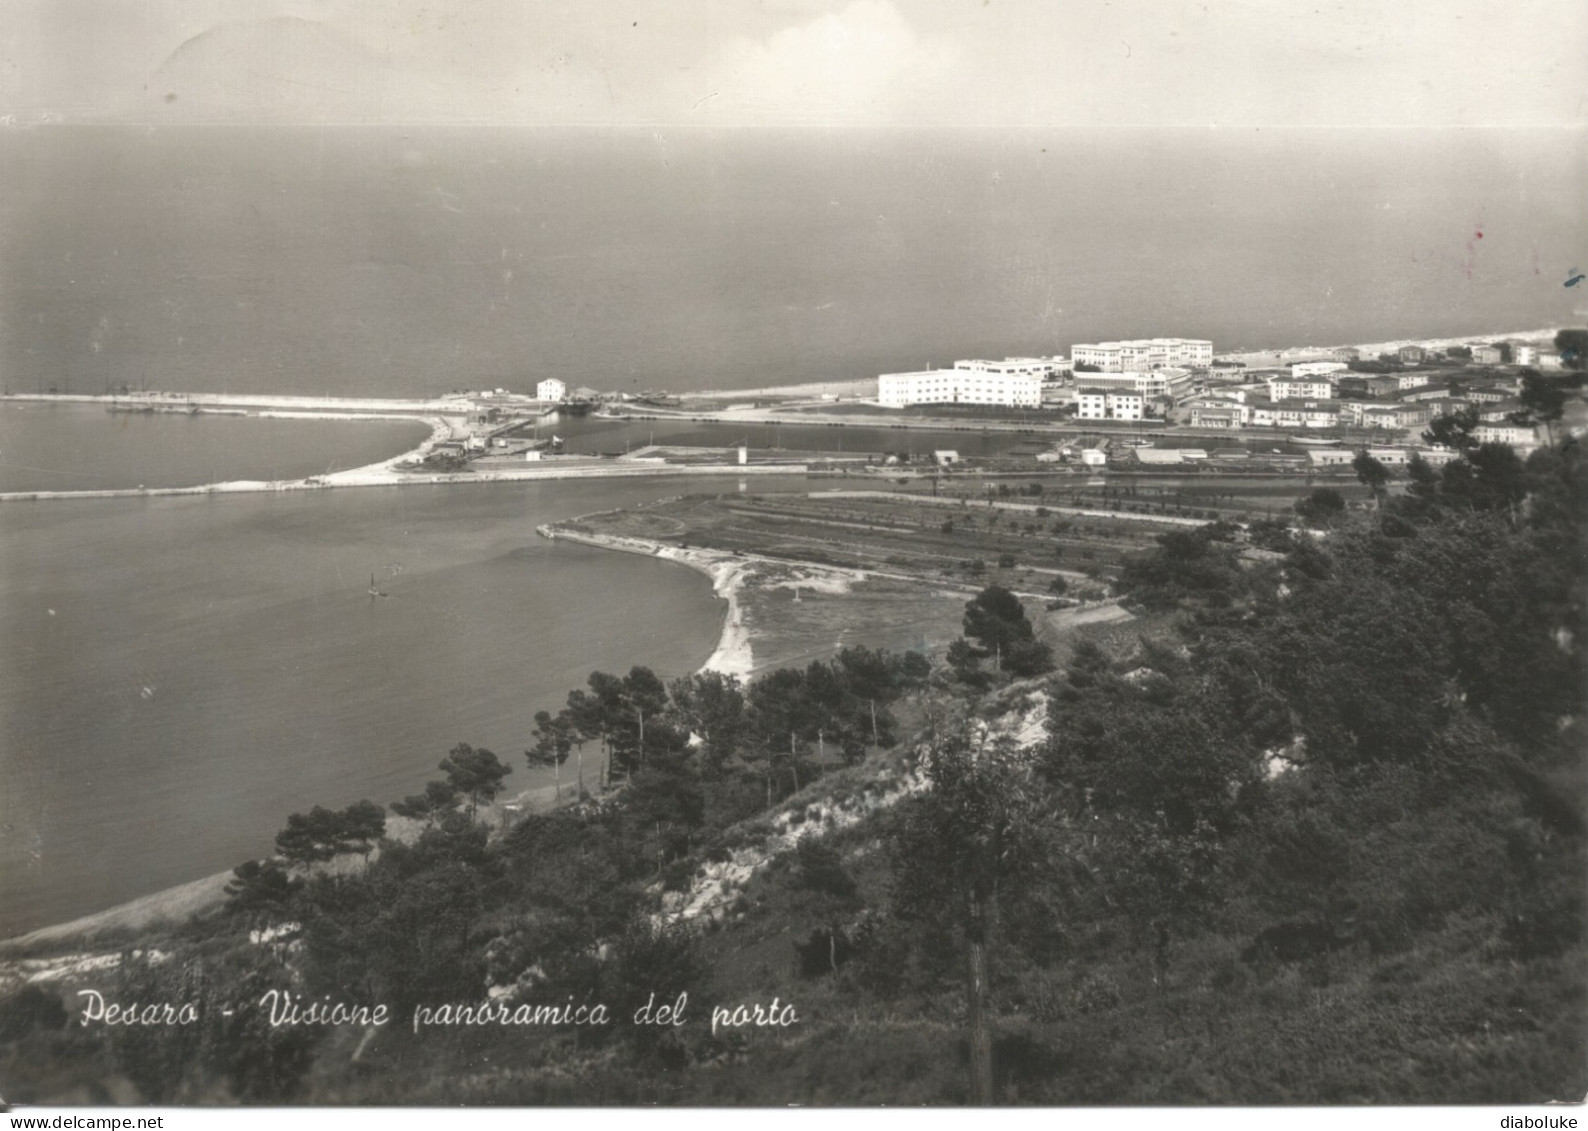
(1142, 353)
(980, 386)
(1174, 379)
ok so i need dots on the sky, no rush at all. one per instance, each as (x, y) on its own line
(748, 63)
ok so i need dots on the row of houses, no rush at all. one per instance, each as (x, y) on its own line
(1488, 353)
(1310, 415)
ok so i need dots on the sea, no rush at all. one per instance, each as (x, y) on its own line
(180, 674)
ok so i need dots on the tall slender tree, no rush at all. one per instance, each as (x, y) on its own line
(968, 839)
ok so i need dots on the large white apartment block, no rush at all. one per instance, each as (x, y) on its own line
(1155, 383)
(960, 386)
(1108, 404)
(1014, 366)
(1143, 353)
(550, 389)
(1281, 389)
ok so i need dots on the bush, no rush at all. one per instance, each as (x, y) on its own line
(822, 870)
(31, 1009)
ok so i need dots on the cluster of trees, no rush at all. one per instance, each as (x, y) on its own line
(717, 723)
(996, 628)
(1370, 751)
(1189, 565)
(563, 900)
(1572, 345)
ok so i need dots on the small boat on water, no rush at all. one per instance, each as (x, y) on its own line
(1315, 441)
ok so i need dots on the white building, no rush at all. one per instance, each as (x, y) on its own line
(1218, 414)
(551, 389)
(1329, 457)
(1173, 383)
(960, 386)
(1281, 389)
(1109, 404)
(1317, 368)
(1297, 414)
(1379, 416)
(1517, 435)
(1011, 366)
(1143, 353)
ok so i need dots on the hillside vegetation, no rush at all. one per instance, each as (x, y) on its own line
(1316, 838)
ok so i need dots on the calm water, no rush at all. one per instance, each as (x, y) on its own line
(412, 261)
(180, 674)
(68, 447)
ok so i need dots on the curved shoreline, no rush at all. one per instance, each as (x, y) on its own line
(734, 654)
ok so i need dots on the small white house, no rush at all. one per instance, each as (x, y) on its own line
(551, 389)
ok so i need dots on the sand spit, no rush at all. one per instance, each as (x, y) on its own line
(730, 574)
(862, 389)
(387, 475)
(358, 406)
